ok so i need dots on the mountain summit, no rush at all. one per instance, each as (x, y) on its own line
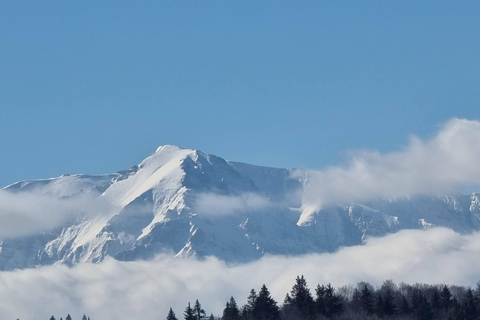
(188, 203)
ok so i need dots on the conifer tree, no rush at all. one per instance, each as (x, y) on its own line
(84, 317)
(476, 294)
(265, 307)
(247, 310)
(171, 315)
(456, 311)
(231, 311)
(386, 297)
(251, 299)
(405, 307)
(198, 312)
(379, 306)
(333, 303)
(424, 310)
(301, 299)
(366, 300)
(355, 303)
(188, 313)
(417, 298)
(320, 299)
(445, 299)
(52, 318)
(469, 306)
(287, 302)
(435, 301)
(68, 317)
(288, 310)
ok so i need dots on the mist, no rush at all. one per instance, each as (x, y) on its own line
(147, 289)
(218, 204)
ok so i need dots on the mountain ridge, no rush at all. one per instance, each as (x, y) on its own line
(188, 203)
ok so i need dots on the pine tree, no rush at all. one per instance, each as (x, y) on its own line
(445, 299)
(288, 310)
(435, 302)
(366, 300)
(355, 303)
(251, 299)
(188, 313)
(287, 302)
(231, 311)
(198, 312)
(171, 315)
(405, 307)
(379, 306)
(424, 310)
(247, 310)
(265, 307)
(477, 293)
(84, 317)
(333, 303)
(301, 299)
(320, 300)
(68, 317)
(52, 318)
(417, 298)
(469, 306)
(386, 298)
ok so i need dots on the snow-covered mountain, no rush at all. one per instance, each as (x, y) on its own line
(188, 203)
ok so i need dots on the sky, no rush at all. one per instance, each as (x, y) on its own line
(95, 87)
(380, 98)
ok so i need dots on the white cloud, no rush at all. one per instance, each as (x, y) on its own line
(27, 213)
(217, 204)
(448, 162)
(146, 289)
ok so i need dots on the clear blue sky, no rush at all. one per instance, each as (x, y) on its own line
(95, 86)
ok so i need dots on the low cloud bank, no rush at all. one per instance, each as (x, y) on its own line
(146, 289)
(448, 162)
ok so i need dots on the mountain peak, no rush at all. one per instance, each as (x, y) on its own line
(192, 203)
(170, 148)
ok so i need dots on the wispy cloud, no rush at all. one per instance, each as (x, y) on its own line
(27, 213)
(217, 204)
(448, 162)
(146, 289)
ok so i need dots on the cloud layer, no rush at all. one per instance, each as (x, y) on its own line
(146, 289)
(448, 162)
(217, 204)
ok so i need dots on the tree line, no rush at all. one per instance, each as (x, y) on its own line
(68, 317)
(361, 302)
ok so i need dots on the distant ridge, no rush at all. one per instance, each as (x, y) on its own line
(188, 203)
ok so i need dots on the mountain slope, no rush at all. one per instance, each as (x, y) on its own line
(188, 203)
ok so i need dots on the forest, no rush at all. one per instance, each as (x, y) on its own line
(360, 302)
